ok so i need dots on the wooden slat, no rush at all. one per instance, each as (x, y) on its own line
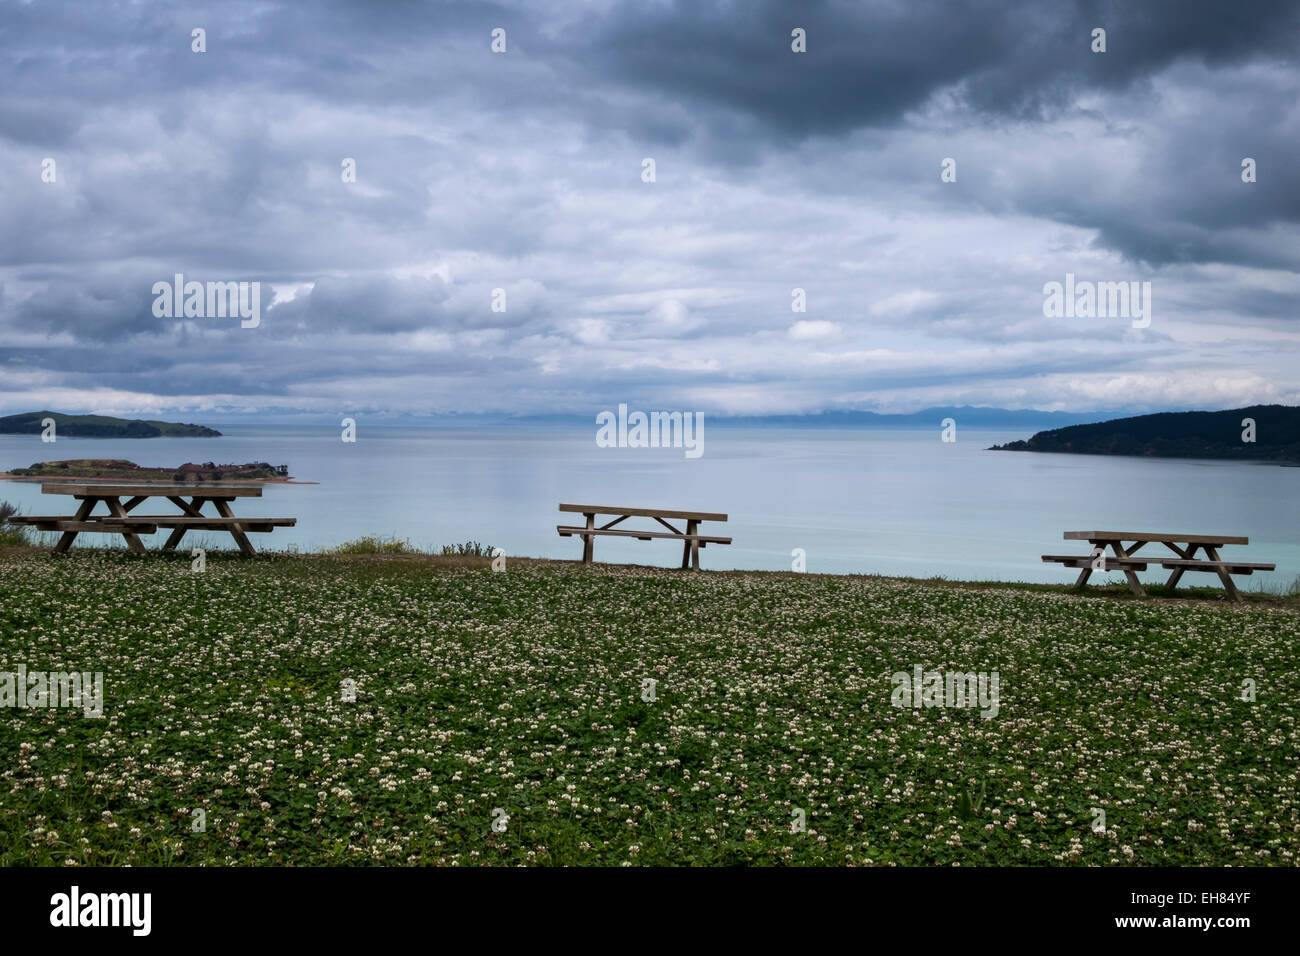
(576, 530)
(1200, 565)
(644, 512)
(99, 490)
(1154, 536)
(46, 519)
(251, 527)
(180, 521)
(1078, 560)
(99, 527)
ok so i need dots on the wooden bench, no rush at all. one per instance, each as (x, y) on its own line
(1184, 547)
(93, 523)
(203, 522)
(692, 540)
(1102, 562)
(130, 526)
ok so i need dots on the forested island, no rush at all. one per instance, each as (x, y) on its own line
(100, 426)
(117, 469)
(1255, 433)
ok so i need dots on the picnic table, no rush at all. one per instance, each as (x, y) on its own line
(690, 537)
(1184, 547)
(120, 519)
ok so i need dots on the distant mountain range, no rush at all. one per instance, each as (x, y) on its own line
(1276, 435)
(99, 426)
(966, 416)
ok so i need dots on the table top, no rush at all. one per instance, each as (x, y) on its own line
(151, 490)
(1156, 536)
(644, 512)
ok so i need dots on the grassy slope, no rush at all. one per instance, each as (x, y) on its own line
(522, 691)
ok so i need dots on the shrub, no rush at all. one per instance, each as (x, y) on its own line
(11, 535)
(373, 544)
(470, 549)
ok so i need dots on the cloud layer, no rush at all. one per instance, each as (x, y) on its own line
(501, 250)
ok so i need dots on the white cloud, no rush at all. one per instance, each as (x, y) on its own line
(814, 330)
(670, 318)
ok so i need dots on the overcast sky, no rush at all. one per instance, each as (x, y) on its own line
(523, 171)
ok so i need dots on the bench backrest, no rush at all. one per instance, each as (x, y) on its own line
(644, 512)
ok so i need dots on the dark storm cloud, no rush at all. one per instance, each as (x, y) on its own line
(870, 63)
(868, 67)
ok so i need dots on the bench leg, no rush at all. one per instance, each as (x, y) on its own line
(1224, 576)
(83, 511)
(192, 508)
(1082, 579)
(589, 540)
(1178, 572)
(174, 539)
(690, 549)
(1134, 584)
(132, 539)
(686, 545)
(236, 532)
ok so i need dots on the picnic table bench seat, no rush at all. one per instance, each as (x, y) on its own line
(1199, 564)
(90, 524)
(1086, 560)
(692, 540)
(199, 521)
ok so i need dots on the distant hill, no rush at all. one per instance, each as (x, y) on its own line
(1179, 435)
(100, 426)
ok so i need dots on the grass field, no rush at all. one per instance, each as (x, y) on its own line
(519, 698)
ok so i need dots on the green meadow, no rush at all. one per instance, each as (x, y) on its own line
(412, 710)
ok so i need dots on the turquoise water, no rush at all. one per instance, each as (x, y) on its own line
(875, 501)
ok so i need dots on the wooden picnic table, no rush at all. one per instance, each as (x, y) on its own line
(1184, 547)
(690, 537)
(120, 519)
